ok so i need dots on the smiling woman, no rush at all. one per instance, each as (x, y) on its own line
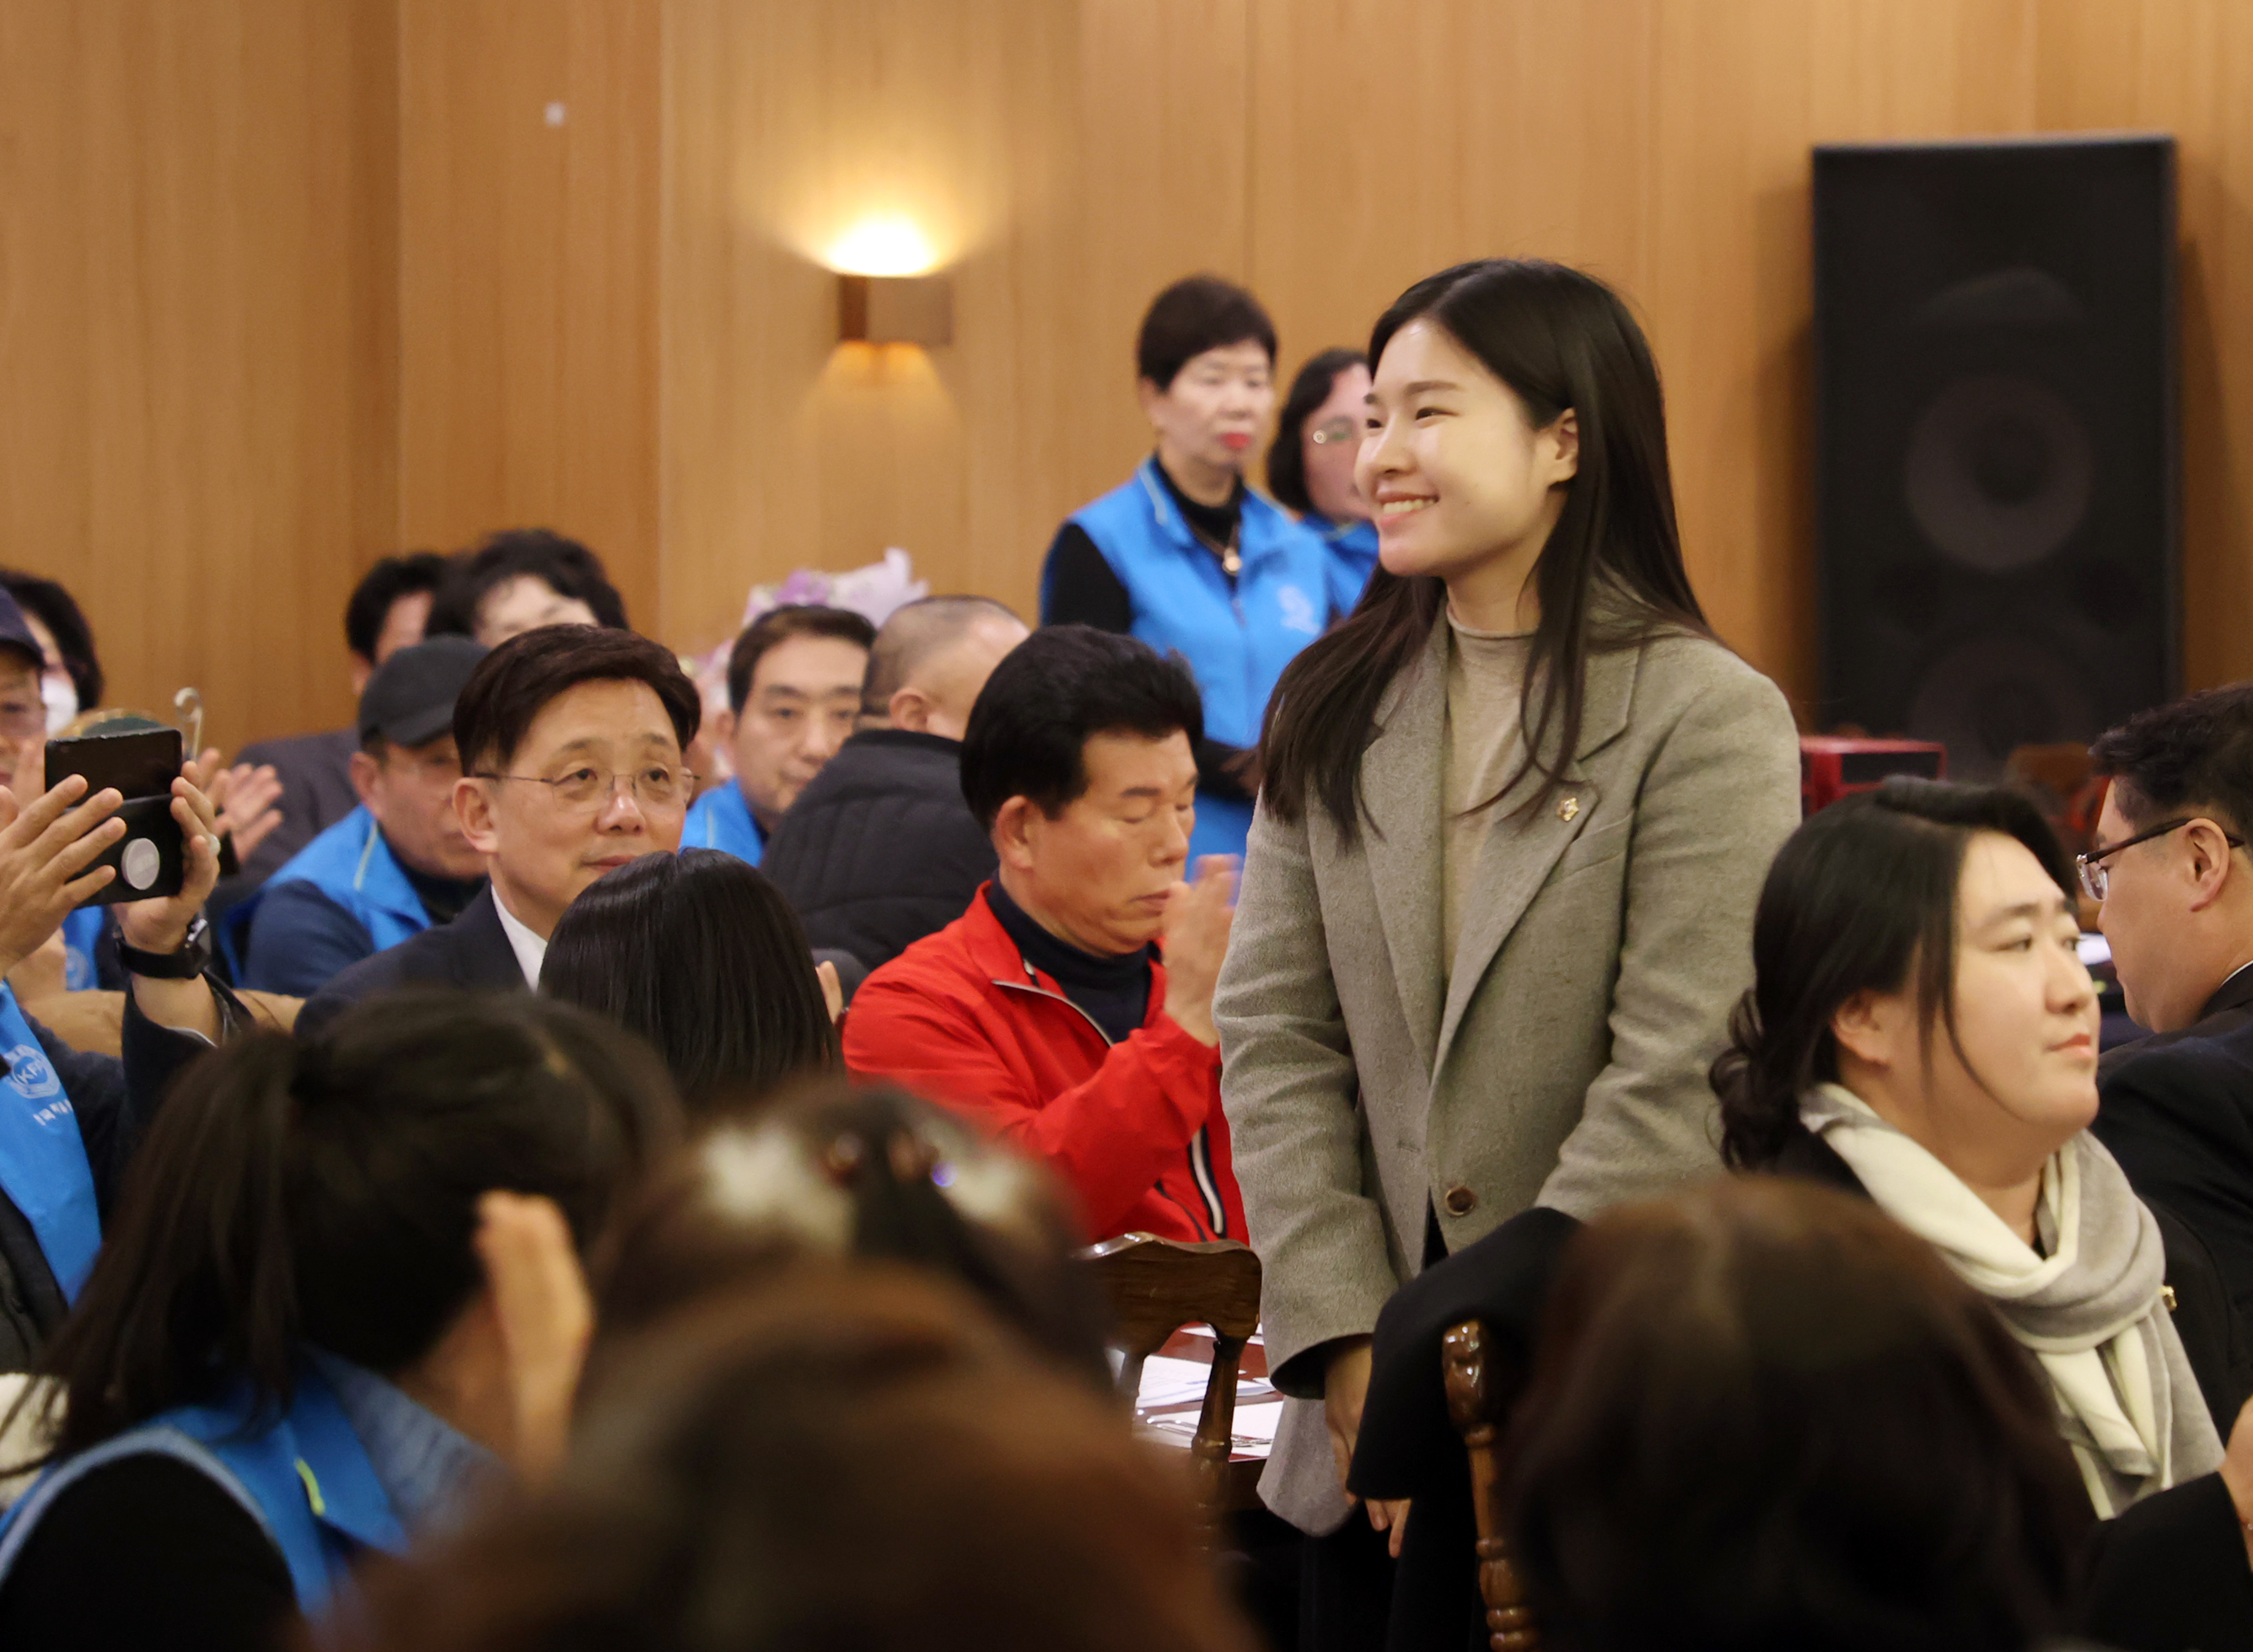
(1516, 809)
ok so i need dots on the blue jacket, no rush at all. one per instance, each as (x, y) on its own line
(305, 1477)
(722, 819)
(1353, 558)
(295, 944)
(1237, 641)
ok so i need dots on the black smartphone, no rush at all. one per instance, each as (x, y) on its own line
(140, 763)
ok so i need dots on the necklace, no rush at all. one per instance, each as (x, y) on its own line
(1231, 559)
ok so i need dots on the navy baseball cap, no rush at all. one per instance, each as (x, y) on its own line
(410, 699)
(16, 632)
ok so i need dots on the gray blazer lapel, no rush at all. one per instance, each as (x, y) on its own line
(1400, 783)
(1521, 849)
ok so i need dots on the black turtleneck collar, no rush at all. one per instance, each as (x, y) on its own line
(442, 898)
(1216, 522)
(1114, 991)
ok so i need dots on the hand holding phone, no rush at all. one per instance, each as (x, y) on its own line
(48, 853)
(140, 765)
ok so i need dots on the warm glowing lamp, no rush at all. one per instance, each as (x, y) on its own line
(884, 294)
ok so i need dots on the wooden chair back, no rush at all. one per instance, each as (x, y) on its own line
(1483, 1384)
(1158, 1286)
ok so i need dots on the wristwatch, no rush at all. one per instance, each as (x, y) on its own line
(191, 960)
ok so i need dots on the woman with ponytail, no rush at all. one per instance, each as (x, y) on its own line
(338, 1294)
(1920, 1032)
(1498, 892)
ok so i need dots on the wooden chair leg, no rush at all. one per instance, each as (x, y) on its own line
(1474, 1409)
(1215, 1441)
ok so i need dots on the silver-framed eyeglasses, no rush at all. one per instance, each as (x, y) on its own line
(1344, 427)
(2096, 877)
(656, 785)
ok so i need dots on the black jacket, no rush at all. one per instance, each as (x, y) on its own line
(471, 953)
(113, 1100)
(2179, 1116)
(2229, 1009)
(879, 850)
(2168, 1575)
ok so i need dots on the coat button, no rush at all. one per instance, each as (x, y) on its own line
(1459, 1201)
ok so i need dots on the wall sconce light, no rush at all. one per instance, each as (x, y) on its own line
(896, 310)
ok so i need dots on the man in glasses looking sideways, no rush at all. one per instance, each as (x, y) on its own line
(2169, 867)
(571, 739)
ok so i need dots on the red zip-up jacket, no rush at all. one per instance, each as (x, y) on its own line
(1134, 1128)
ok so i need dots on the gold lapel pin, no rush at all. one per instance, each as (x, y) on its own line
(1569, 810)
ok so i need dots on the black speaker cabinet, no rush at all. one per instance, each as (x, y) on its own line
(1998, 502)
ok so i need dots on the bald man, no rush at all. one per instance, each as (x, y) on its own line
(879, 850)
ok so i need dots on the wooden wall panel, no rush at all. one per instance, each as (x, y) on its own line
(1063, 163)
(528, 275)
(194, 324)
(2184, 68)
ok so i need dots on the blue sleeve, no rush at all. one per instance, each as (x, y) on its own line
(300, 939)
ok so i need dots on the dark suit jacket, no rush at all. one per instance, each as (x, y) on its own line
(2229, 1009)
(2179, 1116)
(2168, 1575)
(470, 954)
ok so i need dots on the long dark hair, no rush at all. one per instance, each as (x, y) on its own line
(700, 955)
(1763, 1415)
(1610, 576)
(1286, 457)
(325, 1191)
(1859, 897)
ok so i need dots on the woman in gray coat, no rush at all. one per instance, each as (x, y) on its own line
(1498, 897)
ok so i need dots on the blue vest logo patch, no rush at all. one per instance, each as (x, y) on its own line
(29, 1075)
(1298, 613)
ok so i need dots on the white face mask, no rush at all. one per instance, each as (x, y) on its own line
(60, 696)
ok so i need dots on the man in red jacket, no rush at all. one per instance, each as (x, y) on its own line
(1045, 1013)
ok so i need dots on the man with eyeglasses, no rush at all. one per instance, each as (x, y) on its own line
(398, 863)
(2169, 868)
(571, 739)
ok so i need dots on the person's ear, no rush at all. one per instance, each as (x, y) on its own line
(362, 669)
(1152, 396)
(1564, 434)
(473, 807)
(910, 709)
(364, 771)
(1014, 829)
(1863, 1028)
(2209, 862)
(723, 727)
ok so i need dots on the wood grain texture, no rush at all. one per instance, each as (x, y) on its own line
(528, 276)
(195, 324)
(283, 289)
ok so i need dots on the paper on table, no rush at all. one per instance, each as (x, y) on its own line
(1182, 1382)
(1254, 1429)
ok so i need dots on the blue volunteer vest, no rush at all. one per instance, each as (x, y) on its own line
(722, 819)
(304, 1477)
(43, 1163)
(1353, 558)
(1237, 642)
(81, 930)
(350, 863)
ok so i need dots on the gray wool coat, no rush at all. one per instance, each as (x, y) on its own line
(1606, 939)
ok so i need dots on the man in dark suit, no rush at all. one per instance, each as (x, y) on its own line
(571, 739)
(2169, 864)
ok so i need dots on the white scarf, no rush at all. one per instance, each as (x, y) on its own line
(2090, 1312)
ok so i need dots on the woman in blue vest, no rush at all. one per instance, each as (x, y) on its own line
(1310, 467)
(298, 1341)
(1185, 556)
